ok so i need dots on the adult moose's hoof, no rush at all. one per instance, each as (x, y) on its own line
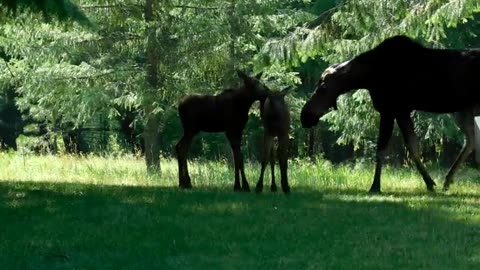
(273, 188)
(286, 189)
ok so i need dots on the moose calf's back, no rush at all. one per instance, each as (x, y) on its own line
(276, 115)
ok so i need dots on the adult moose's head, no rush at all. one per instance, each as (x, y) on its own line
(377, 66)
(335, 80)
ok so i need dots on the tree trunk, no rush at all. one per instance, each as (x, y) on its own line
(151, 136)
(151, 133)
(233, 35)
(231, 66)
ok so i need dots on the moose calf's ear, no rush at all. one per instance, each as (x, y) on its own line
(259, 75)
(335, 106)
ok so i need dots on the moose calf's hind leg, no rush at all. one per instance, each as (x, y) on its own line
(273, 185)
(282, 153)
(245, 186)
(267, 144)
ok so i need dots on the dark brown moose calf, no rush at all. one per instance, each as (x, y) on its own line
(226, 112)
(275, 116)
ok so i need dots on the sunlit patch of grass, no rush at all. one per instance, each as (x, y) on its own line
(93, 212)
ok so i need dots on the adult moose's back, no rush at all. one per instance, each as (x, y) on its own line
(401, 76)
(226, 112)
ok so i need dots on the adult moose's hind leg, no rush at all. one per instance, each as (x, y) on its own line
(267, 145)
(384, 134)
(181, 149)
(282, 153)
(235, 141)
(406, 127)
(465, 120)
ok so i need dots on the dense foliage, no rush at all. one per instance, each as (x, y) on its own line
(105, 76)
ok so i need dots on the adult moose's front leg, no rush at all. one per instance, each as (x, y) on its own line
(465, 120)
(406, 127)
(181, 149)
(384, 135)
(235, 140)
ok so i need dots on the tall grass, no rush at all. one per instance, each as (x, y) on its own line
(69, 212)
(130, 170)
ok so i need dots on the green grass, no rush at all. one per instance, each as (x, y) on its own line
(106, 213)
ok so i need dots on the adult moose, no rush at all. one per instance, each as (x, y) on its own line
(226, 112)
(275, 116)
(401, 76)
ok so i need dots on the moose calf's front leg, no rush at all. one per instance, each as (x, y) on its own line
(235, 140)
(267, 144)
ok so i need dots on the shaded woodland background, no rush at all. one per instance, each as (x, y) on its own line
(104, 77)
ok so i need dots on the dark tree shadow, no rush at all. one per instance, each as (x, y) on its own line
(70, 226)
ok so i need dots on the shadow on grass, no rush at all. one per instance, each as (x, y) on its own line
(53, 226)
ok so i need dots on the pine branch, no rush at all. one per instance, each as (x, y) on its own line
(322, 18)
(197, 7)
(8, 67)
(111, 6)
(84, 77)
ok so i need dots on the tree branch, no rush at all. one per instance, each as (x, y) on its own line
(110, 6)
(197, 7)
(323, 17)
(83, 77)
(8, 67)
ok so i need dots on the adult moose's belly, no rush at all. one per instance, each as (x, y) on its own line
(445, 103)
(431, 99)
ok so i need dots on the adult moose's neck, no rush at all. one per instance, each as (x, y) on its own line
(354, 75)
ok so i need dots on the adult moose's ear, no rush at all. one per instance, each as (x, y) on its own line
(335, 105)
(259, 75)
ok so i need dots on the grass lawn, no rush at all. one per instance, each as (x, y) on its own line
(106, 213)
